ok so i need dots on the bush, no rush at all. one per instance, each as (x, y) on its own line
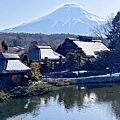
(3, 95)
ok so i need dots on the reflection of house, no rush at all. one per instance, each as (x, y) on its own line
(89, 46)
(12, 70)
(38, 53)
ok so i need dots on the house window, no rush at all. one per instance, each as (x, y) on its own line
(16, 78)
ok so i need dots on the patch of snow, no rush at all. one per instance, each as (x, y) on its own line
(10, 55)
(10, 28)
(107, 75)
(75, 21)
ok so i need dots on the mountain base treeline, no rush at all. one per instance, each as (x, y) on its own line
(24, 39)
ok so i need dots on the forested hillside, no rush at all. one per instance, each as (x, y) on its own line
(24, 39)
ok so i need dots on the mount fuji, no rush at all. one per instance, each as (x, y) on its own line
(69, 18)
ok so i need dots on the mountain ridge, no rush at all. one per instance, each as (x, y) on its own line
(69, 18)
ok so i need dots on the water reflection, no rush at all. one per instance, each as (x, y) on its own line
(89, 98)
(65, 104)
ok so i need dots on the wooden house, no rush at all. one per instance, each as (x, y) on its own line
(90, 47)
(39, 53)
(49, 59)
(12, 70)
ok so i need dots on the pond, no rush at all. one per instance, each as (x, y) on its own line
(76, 102)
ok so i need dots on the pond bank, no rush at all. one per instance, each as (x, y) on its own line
(26, 91)
(84, 80)
(51, 84)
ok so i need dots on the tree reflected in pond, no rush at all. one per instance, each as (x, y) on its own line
(70, 97)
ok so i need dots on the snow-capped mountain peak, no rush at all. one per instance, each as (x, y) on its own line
(69, 18)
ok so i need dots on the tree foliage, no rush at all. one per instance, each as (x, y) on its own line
(114, 35)
(23, 39)
(73, 59)
(4, 46)
(35, 71)
(110, 30)
(107, 59)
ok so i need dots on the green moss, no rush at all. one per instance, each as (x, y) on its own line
(26, 91)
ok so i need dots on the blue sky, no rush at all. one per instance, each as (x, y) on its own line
(17, 12)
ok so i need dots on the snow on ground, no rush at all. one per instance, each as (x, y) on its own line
(107, 75)
(102, 76)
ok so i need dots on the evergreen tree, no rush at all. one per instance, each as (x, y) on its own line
(32, 45)
(106, 59)
(114, 35)
(25, 59)
(4, 46)
(73, 59)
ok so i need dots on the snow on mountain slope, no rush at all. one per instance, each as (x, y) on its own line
(70, 18)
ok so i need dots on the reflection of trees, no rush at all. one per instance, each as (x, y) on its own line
(70, 97)
(16, 107)
(110, 94)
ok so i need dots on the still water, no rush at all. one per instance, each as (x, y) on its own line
(68, 103)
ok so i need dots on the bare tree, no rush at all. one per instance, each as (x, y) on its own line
(103, 30)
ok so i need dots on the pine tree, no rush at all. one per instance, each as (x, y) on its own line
(114, 35)
(73, 59)
(4, 46)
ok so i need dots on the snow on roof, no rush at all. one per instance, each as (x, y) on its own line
(44, 47)
(9, 56)
(18, 47)
(91, 47)
(73, 39)
(46, 51)
(16, 65)
(49, 53)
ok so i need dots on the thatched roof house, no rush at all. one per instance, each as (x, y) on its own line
(38, 53)
(90, 48)
(12, 70)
